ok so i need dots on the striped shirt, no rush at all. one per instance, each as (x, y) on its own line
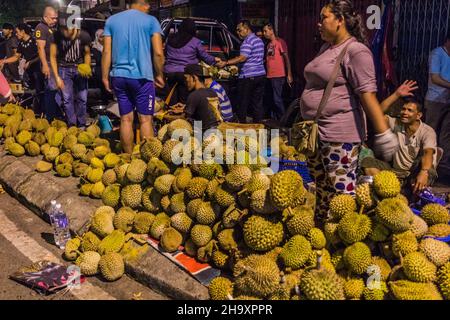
(253, 49)
(225, 105)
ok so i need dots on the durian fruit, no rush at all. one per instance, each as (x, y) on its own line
(58, 124)
(228, 239)
(330, 230)
(263, 233)
(379, 232)
(101, 151)
(419, 227)
(69, 142)
(439, 230)
(85, 138)
(112, 266)
(131, 195)
(94, 175)
(121, 173)
(85, 189)
(43, 166)
(338, 260)
(165, 204)
(143, 222)
(182, 222)
(408, 290)
(233, 216)
(96, 163)
(258, 181)
(111, 160)
(256, 276)
(151, 200)
(171, 240)
(444, 280)
(124, 219)
(177, 203)
(94, 130)
(111, 195)
(434, 213)
(375, 291)
(300, 220)
(261, 202)
(192, 207)
(204, 254)
(97, 190)
(380, 264)
(16, 150)
(39, 138)
(190, 248)
(74, 131)
(220, 259)
(211, 189)
(78, 151)
(354, 227)
(386, 184)
(179, 124)
(71, 250)
(205, 214)
(418, 268)
(287, 190)
(90, 242)
(395, 214)
(64, 158)
(322, 284)
(182, 179)
(9, 141)
(106, 209)
(436, 251)
(150, 148)
(167, 154)
(64, 170)
(296, 252)
(137, 171)
(210, 171)
(23, 137)
(238, 177)
(112, 243)
(354, 288)
(220, 288)
(342, 204)
(109, 177)
(26, 125)
(88, 263)
(163, 184)
(357, 258)
(317, 239)
(404, 243)
(162, 133)
(224, 197)
(156, 168)
(201, 235)
(56, 139)
(196, 188)
(364, 196)
(161, 222)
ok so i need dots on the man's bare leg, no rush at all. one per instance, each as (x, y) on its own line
(146, 123)
(126, 133)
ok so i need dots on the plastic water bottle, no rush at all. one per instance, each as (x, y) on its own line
(61, 227)
(51, 211)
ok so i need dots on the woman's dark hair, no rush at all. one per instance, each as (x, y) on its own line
(186, 31)
(353, 19)
(25, 27)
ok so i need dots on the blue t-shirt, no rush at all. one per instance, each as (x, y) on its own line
(131, 33)
(439, 64)
(253, 49)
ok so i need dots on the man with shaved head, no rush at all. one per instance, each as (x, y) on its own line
(44, 31)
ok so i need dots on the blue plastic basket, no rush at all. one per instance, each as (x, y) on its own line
(300, 167)
(443, 239)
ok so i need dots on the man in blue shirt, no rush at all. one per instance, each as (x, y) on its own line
(437, 101)
(130, 38)
(252, 75)
(224, 102)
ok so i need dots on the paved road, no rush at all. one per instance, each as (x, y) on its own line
(25, 238)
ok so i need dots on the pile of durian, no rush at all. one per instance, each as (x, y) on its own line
(259, 229)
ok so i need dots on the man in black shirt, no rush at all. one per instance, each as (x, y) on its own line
(44, 31)
(70, 47)
(11, 70)
(27, 50)
(203, 103)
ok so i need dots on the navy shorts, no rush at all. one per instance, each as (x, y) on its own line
(134, 94)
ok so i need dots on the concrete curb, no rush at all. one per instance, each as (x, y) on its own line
(36, 190)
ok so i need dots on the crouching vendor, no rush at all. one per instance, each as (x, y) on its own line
(415, 161)
(203, 103)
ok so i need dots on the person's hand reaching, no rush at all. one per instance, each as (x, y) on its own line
(407, 88)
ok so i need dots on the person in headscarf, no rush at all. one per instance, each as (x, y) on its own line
(97, 50)
(183, 48)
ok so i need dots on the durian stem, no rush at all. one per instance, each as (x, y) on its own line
(362, 209)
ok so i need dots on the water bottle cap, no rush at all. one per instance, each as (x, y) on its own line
(58, 206)
(53, 202)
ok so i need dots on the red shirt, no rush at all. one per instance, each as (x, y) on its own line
(5, 90)
(275, 61)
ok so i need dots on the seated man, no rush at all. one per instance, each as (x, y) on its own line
(202, 104)
(414, 163)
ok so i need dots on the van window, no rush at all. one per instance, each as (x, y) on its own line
(204, 34)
